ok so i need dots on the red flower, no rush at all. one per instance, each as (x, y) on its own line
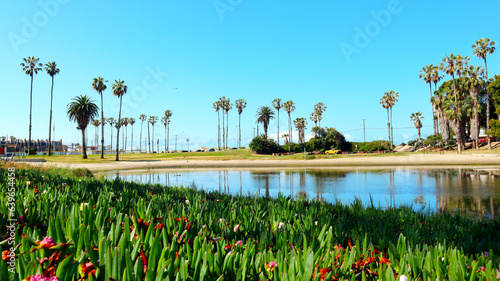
(5, 255)
(323, 272)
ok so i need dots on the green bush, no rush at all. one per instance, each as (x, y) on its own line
(82, 172)
(263, 145)
(495, 128)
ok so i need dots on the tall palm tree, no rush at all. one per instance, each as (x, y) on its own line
(96, 124)
(168, 115)
(222, 102)
(52, 70)
(289, 106)
(143, 118)
(474, 80)
(300, 125)
(226, 107)
(415, 118)
(482, 48)
(111, 122)
(277, 105)
(217, 106)
(264, 116)
(31, 66)
(119, 89)
(436, 78)
(153, 120)
(131, 121)
(427, 74)
(449, 66)
(125, 123)
(392, 101)
(385, 101)
(319, 108)
(99, 86)
(164, 121)
(240, 105)
(81, 110)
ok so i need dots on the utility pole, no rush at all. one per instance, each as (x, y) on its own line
(254, 132)
(364, 131)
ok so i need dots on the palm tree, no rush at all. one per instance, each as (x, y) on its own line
(99, 86)
(436, 77)
(277, 105)
(143, 118)
(300, 125)
(289, 106)
(314, 118)
(164, 121)
(392, 99)
(131, 121)
(240, 105)
(415, 118)
(168, 115)
(153, 120)
(52, 70)
(111, 122)
(227, 106)
(264, 116)
(124, 134)
(427, 74)
(482, 48)
(119, 89)
(96, 124)
(319, 108)
(81, 110)
(31, 66)
(473, 82)
(449, 66)
(222, 102)
(217, 105)
(385, 101)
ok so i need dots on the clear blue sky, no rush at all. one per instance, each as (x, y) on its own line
(254, 50)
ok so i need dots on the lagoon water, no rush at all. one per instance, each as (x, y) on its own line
(475, 191)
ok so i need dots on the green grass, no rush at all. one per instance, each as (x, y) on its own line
(131, 231)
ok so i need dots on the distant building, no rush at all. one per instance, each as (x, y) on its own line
(12, 145)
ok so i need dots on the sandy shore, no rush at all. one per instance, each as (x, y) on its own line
(410, 160)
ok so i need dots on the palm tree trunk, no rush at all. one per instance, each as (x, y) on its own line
(227, 127)
(102, 129)
(149, 140)
(31, 106)
(278, 133)
(389, 124)
(111, 146)
(218, 129)
(487, 106)
(126, 136)
(168, 135)
(165, 138)
(118, 132)
(418, 129)
(223, 130)
(392, 131)
(50, 118)
(153, 135)
(140, 139)
(84, 145)
(457, 121)
(132, 139)
(434, 121)
(239, 130)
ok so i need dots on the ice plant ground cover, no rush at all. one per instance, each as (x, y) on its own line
(73, 228)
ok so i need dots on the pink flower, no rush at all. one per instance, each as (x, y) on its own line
(280, 225)
(46, 243)
(39, 277)
(483, 268)
(485, 254)
(403, 278)
(237, 228)
(238, 243)
(221, 220)
(110, 209)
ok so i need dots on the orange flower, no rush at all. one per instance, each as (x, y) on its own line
(384, 260)
(5, 255)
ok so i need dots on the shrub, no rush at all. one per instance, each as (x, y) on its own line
(82, 172)
(263, 145)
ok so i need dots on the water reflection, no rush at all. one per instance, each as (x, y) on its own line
(470, 191)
